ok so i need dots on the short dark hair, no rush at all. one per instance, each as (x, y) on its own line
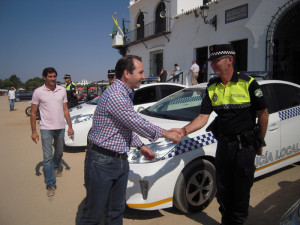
(126, 63)
(48, 70)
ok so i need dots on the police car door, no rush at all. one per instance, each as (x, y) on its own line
(288, 103)
(265, 162)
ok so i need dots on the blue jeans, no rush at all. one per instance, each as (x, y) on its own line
(105, 182)
(52, 161)
(12, 104)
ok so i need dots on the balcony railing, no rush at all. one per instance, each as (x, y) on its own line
(148, 31)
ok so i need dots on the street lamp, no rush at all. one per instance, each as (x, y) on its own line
(204, 13)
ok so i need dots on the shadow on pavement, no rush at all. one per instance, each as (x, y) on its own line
(272, 208)
(61, 167)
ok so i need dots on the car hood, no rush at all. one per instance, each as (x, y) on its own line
(83, 109)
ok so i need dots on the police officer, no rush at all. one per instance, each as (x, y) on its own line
(71, 91)
(111, 75)
(236, 99)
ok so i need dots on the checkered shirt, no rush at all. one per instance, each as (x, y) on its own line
(115, 122)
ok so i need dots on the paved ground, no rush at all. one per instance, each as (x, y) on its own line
(23, 197)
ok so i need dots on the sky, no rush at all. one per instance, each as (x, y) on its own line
(70, 35)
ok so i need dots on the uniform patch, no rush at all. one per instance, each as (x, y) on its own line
(215, 97)
(258, 93)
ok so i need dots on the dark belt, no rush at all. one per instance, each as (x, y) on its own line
(109, 152)
(230, 138)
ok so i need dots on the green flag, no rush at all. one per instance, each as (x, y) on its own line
(115, 27)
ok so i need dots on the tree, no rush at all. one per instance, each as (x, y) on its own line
(34, 83)
(17, 83)
(6, 84)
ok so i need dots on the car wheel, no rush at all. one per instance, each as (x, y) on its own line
(17, 99)
(28, 111)
(195, 187)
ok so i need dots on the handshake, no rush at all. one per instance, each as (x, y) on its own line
(175, 134)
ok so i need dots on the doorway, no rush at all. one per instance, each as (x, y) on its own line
(156, 62)
(201, 60)
(241, 55)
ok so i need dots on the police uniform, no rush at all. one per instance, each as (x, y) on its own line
(236, 105)
(71, 89)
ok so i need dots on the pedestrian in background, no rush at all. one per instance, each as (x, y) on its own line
(115, 125)
(51, 100)
(175, 72)
(163, 75)
(12, 98)
(71, 91)
(195, 72)
(239, 137)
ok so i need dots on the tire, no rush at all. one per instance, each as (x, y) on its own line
(195, 187)
(28, 111)
(17, 99)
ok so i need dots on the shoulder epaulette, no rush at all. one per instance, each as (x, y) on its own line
(213, 81)
(244, 77)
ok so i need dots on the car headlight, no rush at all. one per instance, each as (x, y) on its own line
(160, 149)
(81, 118)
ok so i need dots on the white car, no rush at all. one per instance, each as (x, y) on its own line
(82, 115)
(183, 175)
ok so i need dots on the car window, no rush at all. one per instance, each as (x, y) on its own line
(166, 90)
(268, 98)
(182, 105)
(286, 96)
(145, 95)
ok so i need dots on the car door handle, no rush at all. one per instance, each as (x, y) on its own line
(273, 126)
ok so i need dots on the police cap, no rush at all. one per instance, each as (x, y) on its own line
(111, 73)
(67, 76)
(217, 51)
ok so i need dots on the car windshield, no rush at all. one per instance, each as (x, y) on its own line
(93, 101)
(183, 105)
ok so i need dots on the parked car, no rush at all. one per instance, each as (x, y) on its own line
(23, 95)
(82, 115)
(292, 216)
(183, 174)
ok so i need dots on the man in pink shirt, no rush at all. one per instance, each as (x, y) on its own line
(51, 100)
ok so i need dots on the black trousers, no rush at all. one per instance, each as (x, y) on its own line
(234, 174)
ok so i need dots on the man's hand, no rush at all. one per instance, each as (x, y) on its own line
(35, 137)
(147, 152)
(70, 133)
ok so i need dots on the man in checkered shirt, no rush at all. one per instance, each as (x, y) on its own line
(115, 125)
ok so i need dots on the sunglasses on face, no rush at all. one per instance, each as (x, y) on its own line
(218, 59)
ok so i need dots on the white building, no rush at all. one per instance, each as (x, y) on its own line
(264, 33)
(83, 82)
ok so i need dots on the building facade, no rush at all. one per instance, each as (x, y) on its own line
(264, 33)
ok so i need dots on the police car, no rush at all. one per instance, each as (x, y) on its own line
(82, 115)
(183, 174)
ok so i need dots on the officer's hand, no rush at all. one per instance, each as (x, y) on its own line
(259, 151)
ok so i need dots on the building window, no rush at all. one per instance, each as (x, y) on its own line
(160, 22)
(140, 27)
